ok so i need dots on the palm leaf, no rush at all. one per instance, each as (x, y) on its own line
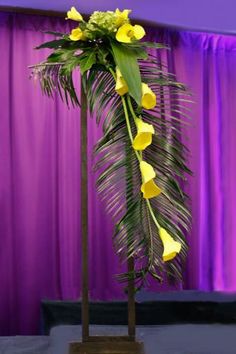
(119, 180)
(136, 234)
(54, 77)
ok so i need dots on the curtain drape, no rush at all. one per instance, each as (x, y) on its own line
(206, 64)
(40, 188)
(40, 176)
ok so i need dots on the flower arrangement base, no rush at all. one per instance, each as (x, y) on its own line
(107, 345)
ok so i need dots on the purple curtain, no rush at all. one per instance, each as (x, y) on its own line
(40, 176)
(206, 64)
(40, 188)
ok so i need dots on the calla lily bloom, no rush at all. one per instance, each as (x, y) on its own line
(122, 17)
(121, 86)
(126, 33)
(144, 135)
(149, 187)
(74, 15)
(171, 247)
(77, 34)
(148, 97)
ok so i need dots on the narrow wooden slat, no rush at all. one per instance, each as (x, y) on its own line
(109, 339)
(107, 348)
(84, 216)
(131, 302)
(130, 263)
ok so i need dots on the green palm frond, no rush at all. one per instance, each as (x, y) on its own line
(54, 78)
(136, 234)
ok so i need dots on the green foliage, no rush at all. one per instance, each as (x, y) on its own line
(54, 33)
(136, 233)
(86, 61)
(127, 61)
(119, 182)
(153, 45)
(57, 43)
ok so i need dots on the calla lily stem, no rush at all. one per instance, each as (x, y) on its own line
(152, 214)
(129, 127)
(148, 202)
(131, 108)
(138, 155)
(126, 117)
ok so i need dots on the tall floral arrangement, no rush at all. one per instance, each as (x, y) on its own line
(140, 157)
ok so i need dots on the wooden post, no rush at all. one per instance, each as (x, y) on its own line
(130, 263)
(131, 302)
(84, 216)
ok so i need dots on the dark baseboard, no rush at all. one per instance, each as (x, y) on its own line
(191, 309)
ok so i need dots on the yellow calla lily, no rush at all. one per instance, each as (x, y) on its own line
(149, 99)
(121, 86)
(144, 135)
(126, 33)
(74, 15)
(122, 17)
(139, 32)
(149, 187)
(171, 247)
(77, 34)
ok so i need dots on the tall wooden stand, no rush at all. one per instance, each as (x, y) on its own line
(99, 344)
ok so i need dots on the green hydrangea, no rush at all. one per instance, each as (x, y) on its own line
(101, 23)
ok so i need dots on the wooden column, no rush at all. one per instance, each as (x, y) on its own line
(84, 216)
(131, 302)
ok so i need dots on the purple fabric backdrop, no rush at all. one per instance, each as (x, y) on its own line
(40, 173)
(190, 14)
(206, 63)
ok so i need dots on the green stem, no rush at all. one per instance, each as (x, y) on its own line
(126, 117)
(131, 108)
(152, 214)
(129, 126)
(148, 202)
(113, 73)
(138, 155)
(134, 117)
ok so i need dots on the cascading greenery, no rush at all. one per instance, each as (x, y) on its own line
(140, 158)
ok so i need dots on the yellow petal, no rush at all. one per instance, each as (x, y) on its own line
(147, 171)
(121, 86)
(76, 34)
(149, 187)
(122, 16)
(125, 13)
(171, 247)
(139, 32)
(150, 190)
(125, 33)
(148, 97)
(144, 135)
(74, 15)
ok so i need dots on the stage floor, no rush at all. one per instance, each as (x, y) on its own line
(25, 345)
(169, 339)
